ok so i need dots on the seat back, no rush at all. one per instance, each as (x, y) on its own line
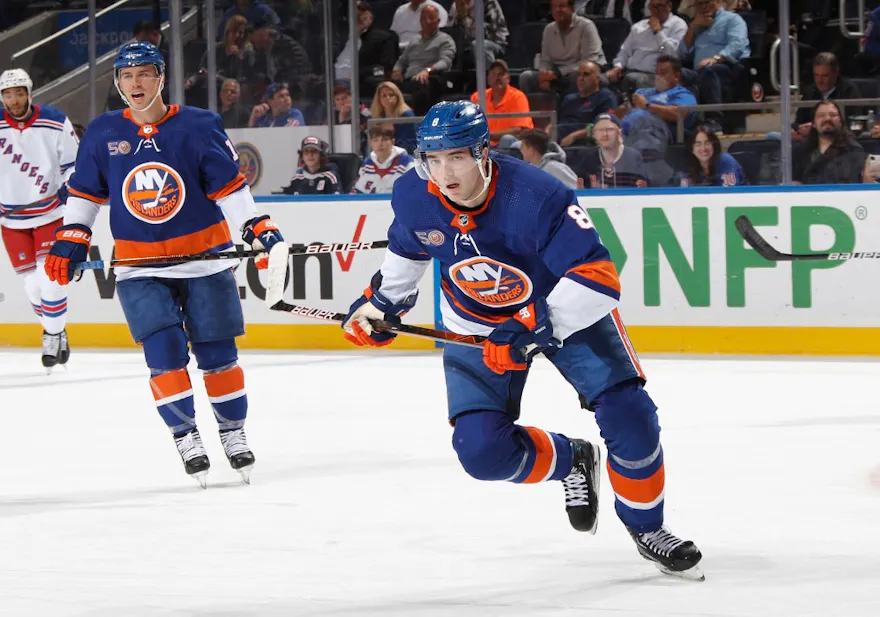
(348, 164)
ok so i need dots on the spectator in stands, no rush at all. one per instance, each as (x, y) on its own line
(579, 110)
(715, 43)
(827, 84)
(569, 40)
(235, 56)
(388, 103)
(407, 22)
(254, 11)
(612, 165)
(276, 109)
(315, 175)
(706, 165)
(688, 8)
(538, 150)
(656, 109)
(147, 32)
(620, 9)
(867, 61)
(342, 110)
(502, 98)
(829, 154)
(386, 163)
(233, 113)
(280, 58)
(377, 53)
(462, 14)
(636, 62)
(419, 70)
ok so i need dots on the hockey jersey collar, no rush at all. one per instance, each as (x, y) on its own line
(22, 124)
(464, 219)
(148, 131)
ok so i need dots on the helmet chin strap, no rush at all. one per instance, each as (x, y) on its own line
(153, 100)
(487, 180)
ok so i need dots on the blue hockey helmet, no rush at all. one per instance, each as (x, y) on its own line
(139, 53)
(449, 125)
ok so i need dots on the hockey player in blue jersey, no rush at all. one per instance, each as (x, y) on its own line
(521, 263)
(172, 180)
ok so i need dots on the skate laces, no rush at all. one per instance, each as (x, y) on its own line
(661, 541)
(577, 491)
(234, 442)
(51, 344)
(190, 445)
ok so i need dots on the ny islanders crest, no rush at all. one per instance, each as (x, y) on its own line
(491, 282)
(153, 193)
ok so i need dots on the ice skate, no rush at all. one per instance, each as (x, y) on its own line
(669, 553)
(63, 350)
(237, 451)
(51, 350)
(582, 487)
(194, 455)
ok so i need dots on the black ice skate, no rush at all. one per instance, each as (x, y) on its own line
(582, 487)
(51, 350)
(63, 350)
(194, 455)
(670, 554)
(237, 451)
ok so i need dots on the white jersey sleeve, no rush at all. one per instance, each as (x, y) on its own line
(68, 144)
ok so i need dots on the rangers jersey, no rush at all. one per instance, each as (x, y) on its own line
(529, 239)
(379, 177)
(36, 160)
(163, 182)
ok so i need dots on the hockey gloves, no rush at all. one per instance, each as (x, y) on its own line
(70, 249)
(512, 344)
(262, 233)
(370, 307)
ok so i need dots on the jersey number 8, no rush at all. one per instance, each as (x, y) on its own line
(580, 217)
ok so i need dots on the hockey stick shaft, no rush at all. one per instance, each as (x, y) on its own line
(295, 249)
(468, 340)
(754, 239)
(17, 209)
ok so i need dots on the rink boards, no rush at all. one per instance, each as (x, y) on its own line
(689, 282)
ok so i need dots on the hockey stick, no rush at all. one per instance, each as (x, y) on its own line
(762, 247)
(17, 209)
(468, 340)
(239, 253)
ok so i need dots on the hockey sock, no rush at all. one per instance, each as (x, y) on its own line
(53, 302)
(32, 289)
(173, 393)
(548, 456)
(227, 394)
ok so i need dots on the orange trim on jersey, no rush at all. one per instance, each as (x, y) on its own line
(190, 244)
(170, 383)
(602, 272)
(490, 318)
(86, 196)
(630, 348)
(435, 190)
(225, 382)
(638, 491)
(233, 185)
(172, 111)
(544, 454)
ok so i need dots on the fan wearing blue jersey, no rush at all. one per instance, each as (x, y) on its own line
(521, 263)
(171, 178)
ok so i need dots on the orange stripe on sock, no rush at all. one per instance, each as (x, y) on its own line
(544, 455)
(225, 382)
(638, 491)
(169, 384)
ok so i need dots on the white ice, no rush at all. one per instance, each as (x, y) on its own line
(358, 506)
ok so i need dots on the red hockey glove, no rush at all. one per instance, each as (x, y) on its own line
(71, 248)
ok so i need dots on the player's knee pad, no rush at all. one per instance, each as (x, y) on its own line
(487, 445)
(215, 354)
(166, 349)
(31, 280)
(627, 417)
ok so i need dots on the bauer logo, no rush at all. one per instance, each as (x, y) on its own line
(491, 282)
(153, 193)
(251, 163)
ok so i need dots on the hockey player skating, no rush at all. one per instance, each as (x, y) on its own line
(171, 176)
(37, 153)
(521, 264)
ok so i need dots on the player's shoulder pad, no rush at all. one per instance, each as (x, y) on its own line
(199, 116)
(407, 192)
(47, 112)
(526, 181)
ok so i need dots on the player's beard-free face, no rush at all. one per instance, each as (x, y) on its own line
(140, 86)
(15, 100)
(457, 174)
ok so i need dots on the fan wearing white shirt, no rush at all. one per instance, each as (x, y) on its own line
(407, 24)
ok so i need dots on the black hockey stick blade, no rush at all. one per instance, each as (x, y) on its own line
(762, 247)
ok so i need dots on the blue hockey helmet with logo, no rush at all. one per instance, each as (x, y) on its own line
(139, 53)
(449, 125)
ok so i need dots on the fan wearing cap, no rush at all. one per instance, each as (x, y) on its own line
(276, 109)
(611, 165)
(315, 175)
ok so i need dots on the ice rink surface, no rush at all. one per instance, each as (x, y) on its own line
(358, 506)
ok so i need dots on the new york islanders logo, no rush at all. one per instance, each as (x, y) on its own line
(153, 193)
(491, 282)
(251, 163)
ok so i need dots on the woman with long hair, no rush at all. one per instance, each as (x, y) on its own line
(706, 165)
(234, 56)
(388, 103)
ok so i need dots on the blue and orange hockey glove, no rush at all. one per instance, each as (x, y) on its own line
(262, 233)
(70, 249)
(512, 344)
(373, 306)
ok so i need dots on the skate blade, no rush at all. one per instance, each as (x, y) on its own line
(597, 482)
(202, 478)
(246, 474)
(691, 574)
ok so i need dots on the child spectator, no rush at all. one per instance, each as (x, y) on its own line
(706, 165)
(388, 103)
(315, 175)
(612, 165)
(386, 163)
(538, 150)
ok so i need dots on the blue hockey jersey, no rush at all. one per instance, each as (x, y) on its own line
(728, 172)
(529, 239)
(161, 180)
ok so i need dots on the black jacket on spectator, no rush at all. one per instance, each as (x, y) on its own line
(236, 117)
(286, 62)
(325, 181)
(842, 163)
(378, 48)
(845, 89)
